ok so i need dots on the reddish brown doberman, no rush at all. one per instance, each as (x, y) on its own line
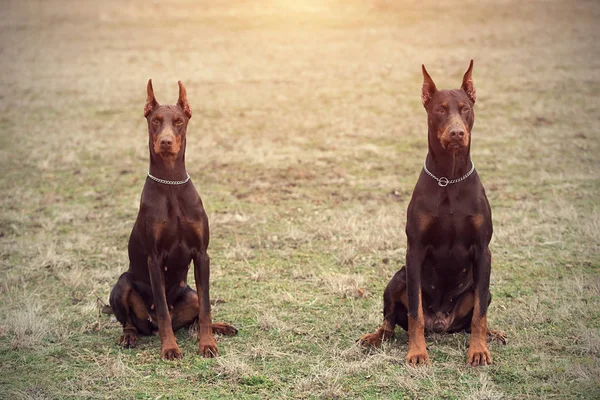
(444, 286)
(171, 231)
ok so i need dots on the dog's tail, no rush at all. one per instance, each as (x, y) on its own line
(106, 309)
(103, 307)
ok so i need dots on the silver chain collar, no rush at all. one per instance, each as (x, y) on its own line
(187, 178)
(443, 181)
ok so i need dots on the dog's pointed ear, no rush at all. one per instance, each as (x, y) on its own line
(183, 101)
(467, 83)
(428, 88)
(151, 102)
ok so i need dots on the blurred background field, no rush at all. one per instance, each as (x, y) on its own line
(306, 140)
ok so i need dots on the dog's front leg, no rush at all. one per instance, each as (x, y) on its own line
(206, 340)
(169, 348)
(478, 353)
(417, 348)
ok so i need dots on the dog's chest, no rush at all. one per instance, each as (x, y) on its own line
(452, 237)
(452, 231)
(180, 230)
(452, 222)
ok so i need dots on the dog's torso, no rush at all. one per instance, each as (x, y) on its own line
(171, 223)
(454, 225)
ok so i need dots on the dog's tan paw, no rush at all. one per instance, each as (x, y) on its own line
(128, 340)
(208, 348)
(417, 357)
(171, 353)
(224, 329)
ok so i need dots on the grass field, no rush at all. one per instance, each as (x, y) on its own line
(306, 140)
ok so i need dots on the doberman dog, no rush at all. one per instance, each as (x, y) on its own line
(444, 286)
(171, 230)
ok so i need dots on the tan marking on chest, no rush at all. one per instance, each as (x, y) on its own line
(158, 228)
(477, 220)
(425, 221)
(195, 226)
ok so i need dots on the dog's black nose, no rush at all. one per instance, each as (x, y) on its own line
(457, 133)
(166, 142)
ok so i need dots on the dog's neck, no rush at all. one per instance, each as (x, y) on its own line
(451, 165)
(171, 168)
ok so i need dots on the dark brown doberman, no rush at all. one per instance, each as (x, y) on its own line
(444, 286)
(171, 231)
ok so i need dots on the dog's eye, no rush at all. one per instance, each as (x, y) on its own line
(179, 122)
(441, 110)
(155, 122)
(465, 110)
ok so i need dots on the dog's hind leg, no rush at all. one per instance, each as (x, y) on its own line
(185, 308)
(463, 314)
(223, 328)
(130, 310)
(185, 313)
(395, 305)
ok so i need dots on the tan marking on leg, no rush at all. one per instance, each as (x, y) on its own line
(185, 313)
(465, 306)
(207, 346)
(478, 353)
(169, 349)
(417, 348)
(125, 295)
(385, 332)
(404, 298)
(137, 305)
(462, 309)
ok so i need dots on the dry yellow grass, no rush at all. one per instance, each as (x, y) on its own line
(306, 140)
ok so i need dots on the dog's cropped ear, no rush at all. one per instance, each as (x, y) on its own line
(183, 101)
(428, 88)
(467, 83)
(151, 102)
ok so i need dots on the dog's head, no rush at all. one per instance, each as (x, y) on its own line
(167, 124)
(450, 113)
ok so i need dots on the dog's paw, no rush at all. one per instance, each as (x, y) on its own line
(128, 340)
(208, 347)
(224, 329)
(370, 340)
(417, 357)
(478, 355)
(171, 353)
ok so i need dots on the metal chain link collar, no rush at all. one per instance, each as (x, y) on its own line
(443, 181)
(170, 182)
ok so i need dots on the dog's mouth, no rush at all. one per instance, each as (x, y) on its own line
(453, 146)
(166, 152)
